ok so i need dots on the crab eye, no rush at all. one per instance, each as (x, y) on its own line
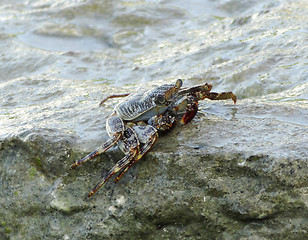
(179, 83)
(160, 99)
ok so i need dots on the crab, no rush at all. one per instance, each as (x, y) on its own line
(136, 121)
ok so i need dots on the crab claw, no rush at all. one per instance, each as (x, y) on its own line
(191, 111)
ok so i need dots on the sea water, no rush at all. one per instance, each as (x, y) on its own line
(60, 58)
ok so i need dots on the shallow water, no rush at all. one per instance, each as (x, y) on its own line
(60, 58)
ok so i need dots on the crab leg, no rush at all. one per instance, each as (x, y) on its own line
(98, 151)
(192, 103)
(195, 94)
(221, 96)
(120, 165)
(146, 147)
(115, 128)
(113, 96)
(204, 91)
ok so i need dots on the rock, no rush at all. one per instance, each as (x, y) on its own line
(228, 175)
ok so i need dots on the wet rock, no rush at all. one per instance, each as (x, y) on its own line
(232, 175)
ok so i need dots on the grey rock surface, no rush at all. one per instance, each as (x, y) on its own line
(228, 175)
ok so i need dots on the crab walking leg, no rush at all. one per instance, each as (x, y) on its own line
(192, 103)
(113, 96)
(115, 128)
(204, 91)
(221, 96)
(146, 147)
(120, 165)
(98, 151)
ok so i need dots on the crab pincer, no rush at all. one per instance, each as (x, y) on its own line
(196, 93)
